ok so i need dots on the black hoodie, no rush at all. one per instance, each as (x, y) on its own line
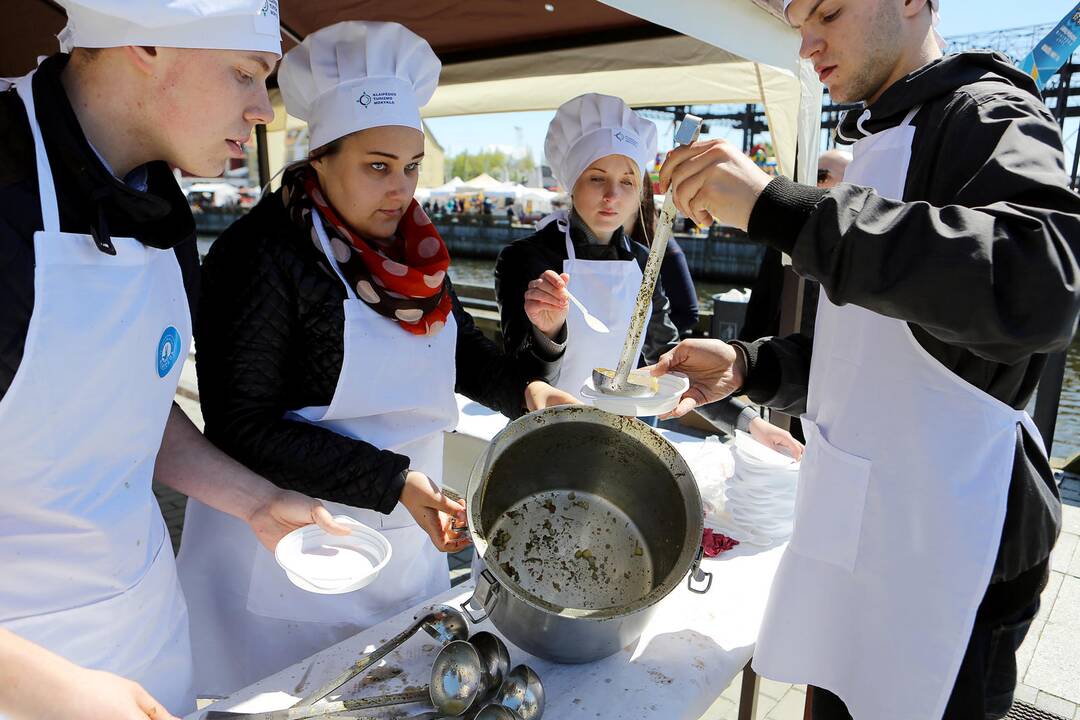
(980, 256)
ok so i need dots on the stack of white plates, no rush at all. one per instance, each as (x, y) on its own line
(760, 497)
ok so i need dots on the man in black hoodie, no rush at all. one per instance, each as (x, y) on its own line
(927, 508)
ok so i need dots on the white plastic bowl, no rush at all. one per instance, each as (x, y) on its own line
(319, 562)
(666, 398)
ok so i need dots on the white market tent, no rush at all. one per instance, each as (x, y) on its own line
(730, 52)
(489, 187)
(504, 55)
(482, 183)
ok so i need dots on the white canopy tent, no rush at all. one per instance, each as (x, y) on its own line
(482, 183)
(731, 52)
(539, 198)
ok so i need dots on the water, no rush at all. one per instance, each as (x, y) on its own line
(1066, 433)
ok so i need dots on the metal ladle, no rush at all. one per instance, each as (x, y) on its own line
(496, 660)
(523, 693)
(618, 382)
(494, 711)
(442, 622)
(457, 680)
(464, 674)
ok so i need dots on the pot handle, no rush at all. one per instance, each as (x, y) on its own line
(487, 591)
(697, 575)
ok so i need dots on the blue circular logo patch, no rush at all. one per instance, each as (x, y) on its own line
(168, 350)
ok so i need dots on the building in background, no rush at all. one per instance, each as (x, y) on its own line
(433, 169)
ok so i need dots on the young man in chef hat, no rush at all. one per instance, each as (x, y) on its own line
(948, 259)
(99, 285)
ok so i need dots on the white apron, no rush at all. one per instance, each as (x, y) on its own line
(900, 505)
(395, 391)
(609, 288)
(88, 566)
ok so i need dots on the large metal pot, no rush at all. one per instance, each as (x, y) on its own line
(583, 521)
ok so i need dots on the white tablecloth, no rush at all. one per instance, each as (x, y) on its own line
(690, 652)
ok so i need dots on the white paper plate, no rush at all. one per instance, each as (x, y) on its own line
(328, 564)
(755, 493)
(754, 454)
(672, 387)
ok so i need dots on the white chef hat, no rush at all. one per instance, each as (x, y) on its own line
(593, 126)
(935, 14)
(357, 75)
(208, 24)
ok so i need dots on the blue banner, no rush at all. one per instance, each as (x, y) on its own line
(1054, 50)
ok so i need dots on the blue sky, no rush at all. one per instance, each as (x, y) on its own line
(959, 17)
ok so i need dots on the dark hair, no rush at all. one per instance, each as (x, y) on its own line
(331, 148)
(646, 224)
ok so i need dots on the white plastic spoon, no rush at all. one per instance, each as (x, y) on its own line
(594, 323)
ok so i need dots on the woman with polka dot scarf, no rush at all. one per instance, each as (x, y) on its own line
(330, 347)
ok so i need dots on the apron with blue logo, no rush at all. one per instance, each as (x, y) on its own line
(82, 540)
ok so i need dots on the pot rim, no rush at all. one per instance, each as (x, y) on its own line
(633, 427)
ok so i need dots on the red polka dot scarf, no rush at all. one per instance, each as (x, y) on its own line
(402, 278)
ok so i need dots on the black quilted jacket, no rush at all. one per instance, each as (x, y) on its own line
(269, 340)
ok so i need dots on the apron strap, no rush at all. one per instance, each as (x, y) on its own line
(320, 230)
(50, 213)
(911, 116)
(564, 225)
(562, 217)
(907, 119)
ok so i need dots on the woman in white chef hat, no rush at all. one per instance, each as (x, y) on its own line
(599, 150)
(330, 348)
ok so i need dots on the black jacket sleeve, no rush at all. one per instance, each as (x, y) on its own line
(729, 415)
(678, 285)
(491, 377)
(247, 333)
(518, 264)
(993, 269)
(778, 372)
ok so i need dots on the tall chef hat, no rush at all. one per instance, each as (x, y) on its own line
(358, 75)
(593, 126)
(935, 14)
(209, 24)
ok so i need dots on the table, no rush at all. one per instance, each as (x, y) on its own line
(691, 650)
